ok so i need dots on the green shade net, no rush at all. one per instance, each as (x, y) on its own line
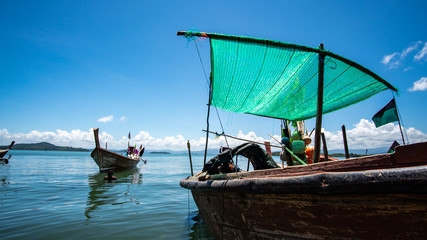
(280, 80)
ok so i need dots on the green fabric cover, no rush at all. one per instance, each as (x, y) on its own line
(280, 80)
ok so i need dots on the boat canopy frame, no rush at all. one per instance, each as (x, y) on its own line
(285, 80)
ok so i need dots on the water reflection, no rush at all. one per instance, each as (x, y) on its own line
(99, 194)
(4, 174)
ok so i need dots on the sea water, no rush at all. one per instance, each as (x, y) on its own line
(62, 195)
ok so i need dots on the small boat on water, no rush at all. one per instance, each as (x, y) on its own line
(4, 160)
(108, 160)
(380, 196)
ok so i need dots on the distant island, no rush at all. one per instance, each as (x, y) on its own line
(44, 146)
(352, 155)
(160, 152)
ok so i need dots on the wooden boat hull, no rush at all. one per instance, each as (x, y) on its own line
(232, 215)
(377, 197)
(106, 159)
(5, 151)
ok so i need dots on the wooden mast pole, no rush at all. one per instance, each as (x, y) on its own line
(317, 134)
(207, 122)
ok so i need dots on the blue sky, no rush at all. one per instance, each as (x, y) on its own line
(69, 66)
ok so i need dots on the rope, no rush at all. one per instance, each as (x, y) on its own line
(203, 67)
(222, 128)
(216, 109)
(217, 113)
(207, 85)
(188, 208)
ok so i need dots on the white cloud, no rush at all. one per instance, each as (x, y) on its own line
(396, 59)
(419, 85)
(386, 60)
(122, 119)
(106, 119)
(363, 135)
(421, 54)
(409, 49)
(74, 138)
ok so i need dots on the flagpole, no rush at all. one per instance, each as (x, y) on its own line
(398, 120)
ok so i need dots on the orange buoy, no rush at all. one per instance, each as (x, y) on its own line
(309, 151)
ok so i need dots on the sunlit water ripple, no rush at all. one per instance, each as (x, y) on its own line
(61, 195)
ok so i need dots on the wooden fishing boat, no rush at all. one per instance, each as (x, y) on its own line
(372, 197)
(4, 152)
(108, 160)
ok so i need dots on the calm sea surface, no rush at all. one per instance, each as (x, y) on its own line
(61, 195)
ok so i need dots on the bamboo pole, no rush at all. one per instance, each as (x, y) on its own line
(344, 136)
(241, 139)
(295, 156)
(207, 121)
(189, 154)
(319, 106)
(247, 140)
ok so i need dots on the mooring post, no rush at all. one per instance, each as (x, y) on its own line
(344, 136)
(325, 148)
(189, 154)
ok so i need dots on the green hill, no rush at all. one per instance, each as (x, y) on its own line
(43, 146)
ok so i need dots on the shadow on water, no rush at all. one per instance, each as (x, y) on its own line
(198, 229)
(98, 195)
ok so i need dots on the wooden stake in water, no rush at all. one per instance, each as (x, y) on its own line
(189, 154)
(344, 136)
(325, 148)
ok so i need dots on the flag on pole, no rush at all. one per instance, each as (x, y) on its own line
(386, 115)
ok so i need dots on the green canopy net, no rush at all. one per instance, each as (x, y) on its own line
(280, 80)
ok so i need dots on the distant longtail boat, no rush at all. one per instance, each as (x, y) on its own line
(108, 160)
